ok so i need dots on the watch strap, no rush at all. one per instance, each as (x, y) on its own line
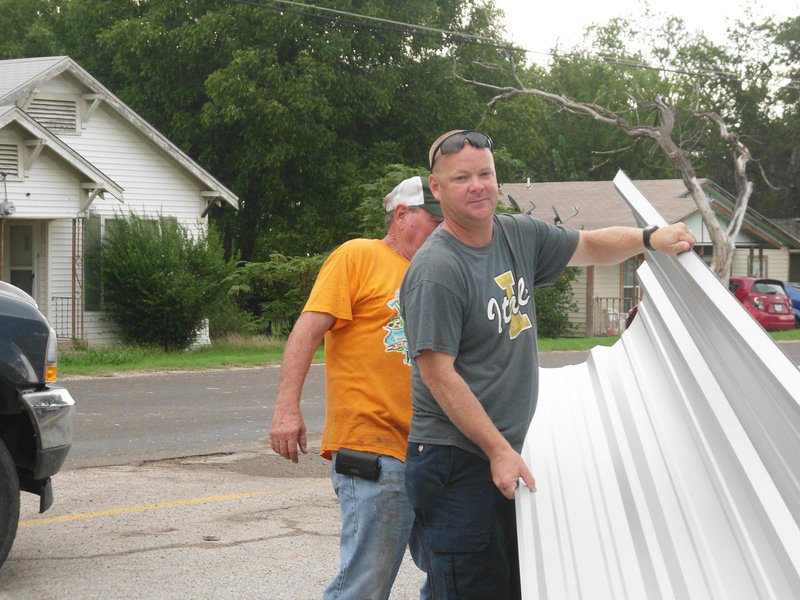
(646, 233)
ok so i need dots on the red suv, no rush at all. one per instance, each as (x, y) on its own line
(766, 300)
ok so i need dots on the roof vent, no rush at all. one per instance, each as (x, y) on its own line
(60, 116)
(9, 159)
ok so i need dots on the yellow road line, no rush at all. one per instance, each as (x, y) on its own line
(135, 509)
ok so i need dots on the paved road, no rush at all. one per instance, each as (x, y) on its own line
(229, 520)
(136, 418)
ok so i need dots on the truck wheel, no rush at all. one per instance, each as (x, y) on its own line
(9, 502)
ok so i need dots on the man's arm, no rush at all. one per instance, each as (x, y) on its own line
(462, 407)
(612, 245)
(288, 428)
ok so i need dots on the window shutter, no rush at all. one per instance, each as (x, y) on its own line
(9, 159)
(56, 115)
(92, 276)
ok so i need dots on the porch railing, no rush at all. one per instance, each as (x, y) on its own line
(609, 315)
(63, 319)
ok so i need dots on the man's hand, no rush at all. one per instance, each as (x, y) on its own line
(507, 469)
(672, 239)
(288, 431)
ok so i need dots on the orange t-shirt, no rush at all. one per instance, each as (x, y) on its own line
(367, 372)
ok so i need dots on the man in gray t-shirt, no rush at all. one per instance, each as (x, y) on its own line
(467, 301)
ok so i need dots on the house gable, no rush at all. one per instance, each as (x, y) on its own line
(32, 155)
(32, 81)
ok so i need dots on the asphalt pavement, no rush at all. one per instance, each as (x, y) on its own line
(224, 518)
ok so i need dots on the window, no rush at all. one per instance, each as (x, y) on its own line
(92, 283)
(758, 266)
(770, 288)
(630, 282)
(9, 159)
(60, 116)
(96, 229)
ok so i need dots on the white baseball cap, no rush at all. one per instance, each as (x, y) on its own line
(413, 191)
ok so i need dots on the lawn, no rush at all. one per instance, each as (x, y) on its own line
(250, 352)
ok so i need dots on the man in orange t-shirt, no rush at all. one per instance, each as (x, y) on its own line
(354, 305)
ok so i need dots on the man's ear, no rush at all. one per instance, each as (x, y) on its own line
(400, 213)
(433, 183)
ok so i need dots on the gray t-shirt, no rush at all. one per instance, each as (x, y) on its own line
(477, 304)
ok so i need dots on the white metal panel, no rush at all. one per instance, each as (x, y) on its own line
(667, 465)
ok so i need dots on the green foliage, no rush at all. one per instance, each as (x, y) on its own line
(274, 292)
(369, 211)
(159, 282)
(553, 305)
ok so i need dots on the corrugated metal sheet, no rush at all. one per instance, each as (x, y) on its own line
(668, 465)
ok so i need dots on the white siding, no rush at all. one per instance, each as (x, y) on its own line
(50, 189)
(153, 182)
(606, 281)
(777, 263)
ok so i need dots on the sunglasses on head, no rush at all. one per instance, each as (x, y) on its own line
(455, 142)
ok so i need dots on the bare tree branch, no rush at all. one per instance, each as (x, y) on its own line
(661, 132)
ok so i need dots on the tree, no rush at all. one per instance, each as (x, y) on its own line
(294, 109)
(671, 120)
(662, 135)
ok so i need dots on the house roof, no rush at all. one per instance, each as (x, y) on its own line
(598, 205)
(598, 202)
(100, 181)
(21, 77)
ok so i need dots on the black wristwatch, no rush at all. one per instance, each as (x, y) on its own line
(646, 233)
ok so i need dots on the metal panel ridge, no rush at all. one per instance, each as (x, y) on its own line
(667, 465)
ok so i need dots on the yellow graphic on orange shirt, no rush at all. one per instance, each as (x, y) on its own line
(509, 311)
(395, 340)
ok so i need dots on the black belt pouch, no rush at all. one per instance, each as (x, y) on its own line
(356, 463)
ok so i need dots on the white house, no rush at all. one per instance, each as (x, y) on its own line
(605, 294)
(72, 157)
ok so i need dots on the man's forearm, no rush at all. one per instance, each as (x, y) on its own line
(607, 246)
(303, 341)
(468, 415)
(613, 245)
(463, 409)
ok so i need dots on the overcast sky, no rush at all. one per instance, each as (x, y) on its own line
(538, 24)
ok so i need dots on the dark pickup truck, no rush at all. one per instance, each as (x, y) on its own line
(36, 416)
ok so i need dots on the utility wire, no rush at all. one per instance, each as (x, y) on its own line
(400, 26)
(470, 38)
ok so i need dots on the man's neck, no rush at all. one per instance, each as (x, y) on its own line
(394, 244)
(477, 237)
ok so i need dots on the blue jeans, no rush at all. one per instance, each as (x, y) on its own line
(377, 525)
(468, 528)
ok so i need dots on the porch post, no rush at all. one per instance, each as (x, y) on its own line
(590, 301)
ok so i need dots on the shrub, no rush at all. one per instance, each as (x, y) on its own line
(553, 305)
(159, 282)
(274, 292)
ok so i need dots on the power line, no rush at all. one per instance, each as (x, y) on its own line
(400, 26)
(468, 38)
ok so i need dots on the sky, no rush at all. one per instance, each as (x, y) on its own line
(538, 24)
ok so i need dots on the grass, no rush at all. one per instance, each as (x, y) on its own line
(255, 351)
(251, 351)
